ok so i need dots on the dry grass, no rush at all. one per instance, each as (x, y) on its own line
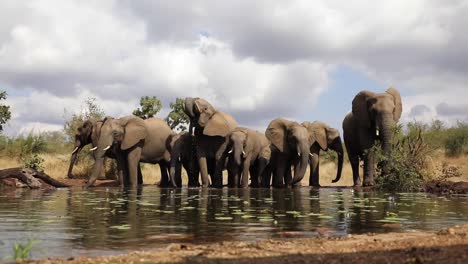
(57, 166)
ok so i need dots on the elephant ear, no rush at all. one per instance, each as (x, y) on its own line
(220, 124)
(276, 132)
(135, 130)
(398, 105)
(317, 133)
(360, 108)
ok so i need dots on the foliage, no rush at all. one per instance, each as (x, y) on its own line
(456, 143)
(21, 251)
(34, 162)
(406, 168)
(150, 106)
(5, 113)
(454, 140)
(89, 110)
(177, 119)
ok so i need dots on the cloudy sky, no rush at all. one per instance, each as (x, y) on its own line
(257, 60)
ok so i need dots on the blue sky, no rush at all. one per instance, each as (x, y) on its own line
(303, 60)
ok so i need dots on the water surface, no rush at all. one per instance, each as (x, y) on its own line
(106, 221)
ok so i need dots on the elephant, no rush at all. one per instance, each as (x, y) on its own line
(372, 117)
(211, 130)
(290, 146)
(133, 140)
(183, 154)
(250, 152)
(87, 133)
(323, 137)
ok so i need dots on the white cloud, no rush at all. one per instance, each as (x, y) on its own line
(257, 60)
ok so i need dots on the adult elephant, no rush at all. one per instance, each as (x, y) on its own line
(87, 133)
(323, 137)
(133, 140)
(182, 155)
(291, 147)
(373, 116)
(211, 129)
(250, 152)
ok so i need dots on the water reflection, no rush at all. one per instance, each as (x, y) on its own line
(101, 221)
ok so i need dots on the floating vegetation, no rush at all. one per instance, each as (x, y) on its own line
(121, 227)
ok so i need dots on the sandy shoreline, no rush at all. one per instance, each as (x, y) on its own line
(448, 245)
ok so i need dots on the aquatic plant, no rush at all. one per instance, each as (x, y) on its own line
(23, 251)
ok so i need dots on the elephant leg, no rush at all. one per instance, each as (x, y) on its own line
(314, 162)
(133, 161)
(246, 173)
(121, 170)
(354, 160)
(255, 175)
(140, 175)
(202, 162)
(163, 167)
(288, 173)
(218, 174)
(178, 175)
(279, 174)
(369, 169)
(266, 177)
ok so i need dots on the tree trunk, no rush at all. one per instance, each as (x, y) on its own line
(30, 177)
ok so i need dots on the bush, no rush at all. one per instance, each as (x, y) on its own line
(456, 142)
(34, 162)
(407, 166)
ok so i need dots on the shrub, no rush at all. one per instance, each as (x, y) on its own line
(456, 142)
(408, 162)
(34, 162)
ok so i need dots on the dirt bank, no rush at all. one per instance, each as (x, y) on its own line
(446, 246)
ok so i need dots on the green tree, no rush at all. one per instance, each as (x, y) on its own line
(5, 113)
(150, 106)
(89, 110)
(177, 119)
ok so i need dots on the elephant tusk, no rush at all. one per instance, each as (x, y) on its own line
(298, 154)
(243, 154)
(93, 149)
(377, 132)
(311, 154)
(73, 152)
(179, 159)
(108, 147)
(230, 151)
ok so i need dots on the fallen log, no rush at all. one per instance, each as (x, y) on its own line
(30, 177)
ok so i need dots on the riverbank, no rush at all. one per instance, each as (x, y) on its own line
(445, 246)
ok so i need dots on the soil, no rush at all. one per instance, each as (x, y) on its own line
(446, 246)
(446, 187)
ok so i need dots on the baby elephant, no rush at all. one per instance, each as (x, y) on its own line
(181, 147)
(249, 154)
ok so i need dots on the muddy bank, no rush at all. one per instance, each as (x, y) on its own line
(446, 246)
(446, 187)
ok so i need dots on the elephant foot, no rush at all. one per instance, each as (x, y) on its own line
(315, 185)
(368, 183)
(70, 176)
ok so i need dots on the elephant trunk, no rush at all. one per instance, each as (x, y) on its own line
(175, 161)
(73, 158)
(237, 151)
(188, 109)
(100, 153)
(95, 172)
(338, 148)
(385, 135)
(301, 167)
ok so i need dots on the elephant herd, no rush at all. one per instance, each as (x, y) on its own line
(214, 143)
